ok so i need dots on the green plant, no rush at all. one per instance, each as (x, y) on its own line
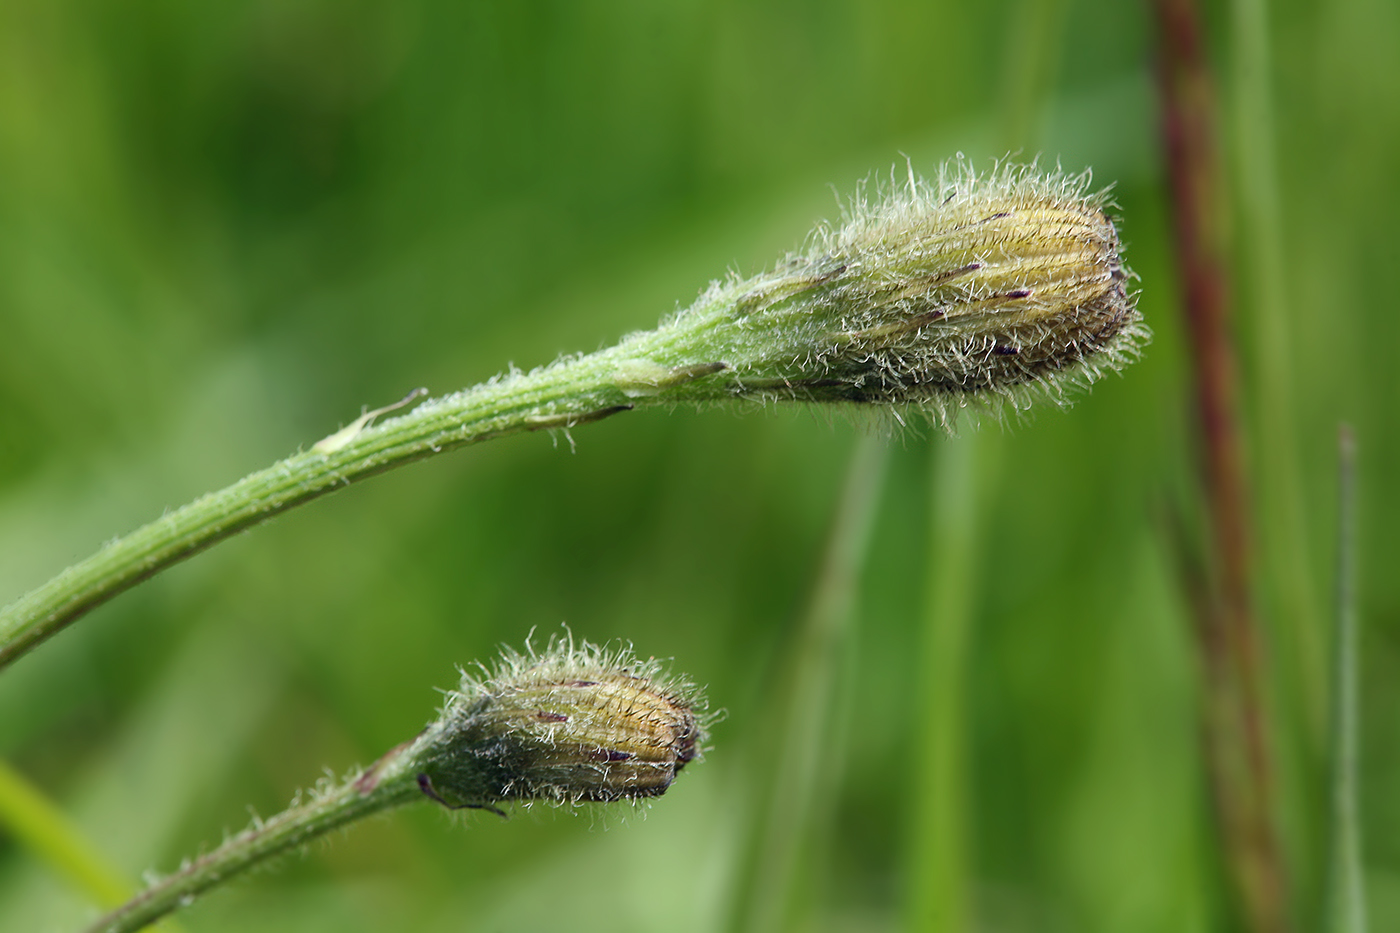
(568, 725)
(931, 297)
(225, 226)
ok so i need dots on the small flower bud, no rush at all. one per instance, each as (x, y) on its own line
(571, 724)
(568, 725)
(934, 294)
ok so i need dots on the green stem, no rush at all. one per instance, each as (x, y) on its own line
(389, 783)
(536, 727)
(561, 396)
(895, 309)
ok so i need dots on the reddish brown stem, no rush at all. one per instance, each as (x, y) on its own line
(1235, 728)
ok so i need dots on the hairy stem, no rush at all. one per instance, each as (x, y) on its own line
(386, 784)
(963, 290)
(558, 397)
(570, 724)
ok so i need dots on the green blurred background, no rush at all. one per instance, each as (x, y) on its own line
(225, 227)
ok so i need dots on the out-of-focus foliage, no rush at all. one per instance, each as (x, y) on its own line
(225, 227)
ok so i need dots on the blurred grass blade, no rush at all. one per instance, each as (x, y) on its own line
(801, 779)
(35, 822)
(937, 896)
(1282, 531)
(1346, 900)
(1237, 733)
(1032, 59)
(937, 870)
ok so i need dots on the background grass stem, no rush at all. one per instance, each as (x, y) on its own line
(1264, 301)
(30, 817)
(1235, 723)
(940, 862)
(938, 895)
(1345, 898)
(803, 774)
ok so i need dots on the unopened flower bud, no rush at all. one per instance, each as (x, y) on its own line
(568, 725)
(571, 724)
(932, 295)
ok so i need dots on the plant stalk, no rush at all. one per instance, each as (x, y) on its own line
(938, 295)
(388, 783)
(1235, 724)
(561, 396)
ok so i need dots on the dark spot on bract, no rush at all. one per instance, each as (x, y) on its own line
(610, 754)
(952, 274)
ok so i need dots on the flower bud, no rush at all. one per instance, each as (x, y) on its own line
(567, 725)
(934, 294)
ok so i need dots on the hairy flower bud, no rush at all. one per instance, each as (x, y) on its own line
(933, 294)
(571, 724)
(568, 725)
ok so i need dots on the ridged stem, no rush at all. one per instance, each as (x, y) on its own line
(383, 786)
(561, 396)
(939, 294)
(572, 724)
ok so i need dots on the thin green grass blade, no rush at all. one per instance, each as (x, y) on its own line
(40, 825)
(799, 788)
(1346, 896)
(938, 858)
